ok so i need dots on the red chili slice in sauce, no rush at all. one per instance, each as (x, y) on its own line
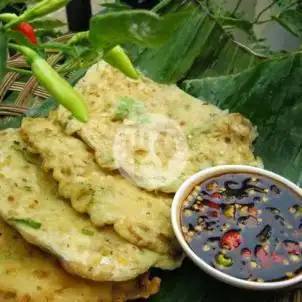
(246, 252)
(212, 214)
(277, 258)
(263, 257)
(216, 196)
(212, 204)
(292, 247)
(231, 240)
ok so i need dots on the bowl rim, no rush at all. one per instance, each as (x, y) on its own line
(183, 191)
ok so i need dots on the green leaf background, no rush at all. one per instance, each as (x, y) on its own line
(292, 21)
(270, 95)
(3, 3)
(199, 48)
(141, 27)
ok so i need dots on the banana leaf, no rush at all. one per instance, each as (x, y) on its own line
(197, 49)
(270, 95)
(291, 20)
(208, 64)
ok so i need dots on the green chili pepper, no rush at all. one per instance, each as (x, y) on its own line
(57, 86)
(7, 17)
(298, 211)
(79, 37)
(224, 260)
(116, 56)
(230, 211)
(265, 233)
(41, 9)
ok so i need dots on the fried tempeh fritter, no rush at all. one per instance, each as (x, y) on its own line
(30, 203)
(204, 135)
(141, 217)
(28, 274)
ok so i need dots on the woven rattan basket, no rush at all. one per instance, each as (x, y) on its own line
(28, 94)
(27, 91)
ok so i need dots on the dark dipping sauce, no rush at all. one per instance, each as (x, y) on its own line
(246, 225)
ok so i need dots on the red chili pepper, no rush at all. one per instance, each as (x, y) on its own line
(263, 256)
(246, 252)
(216, 196)
(277, 258)
(253, 212)
(231, 240)
(211, 204)
(28, 31)
(212, 214)
(292, 247)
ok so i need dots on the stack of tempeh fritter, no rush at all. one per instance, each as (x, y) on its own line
(55, 171)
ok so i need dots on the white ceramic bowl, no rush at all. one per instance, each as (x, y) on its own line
(185, 190)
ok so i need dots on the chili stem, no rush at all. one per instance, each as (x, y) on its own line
(263, 22)
(236, 7)
(160, 5)
(78, 37)
(264, 10)
(28, 52)
(19, 70)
